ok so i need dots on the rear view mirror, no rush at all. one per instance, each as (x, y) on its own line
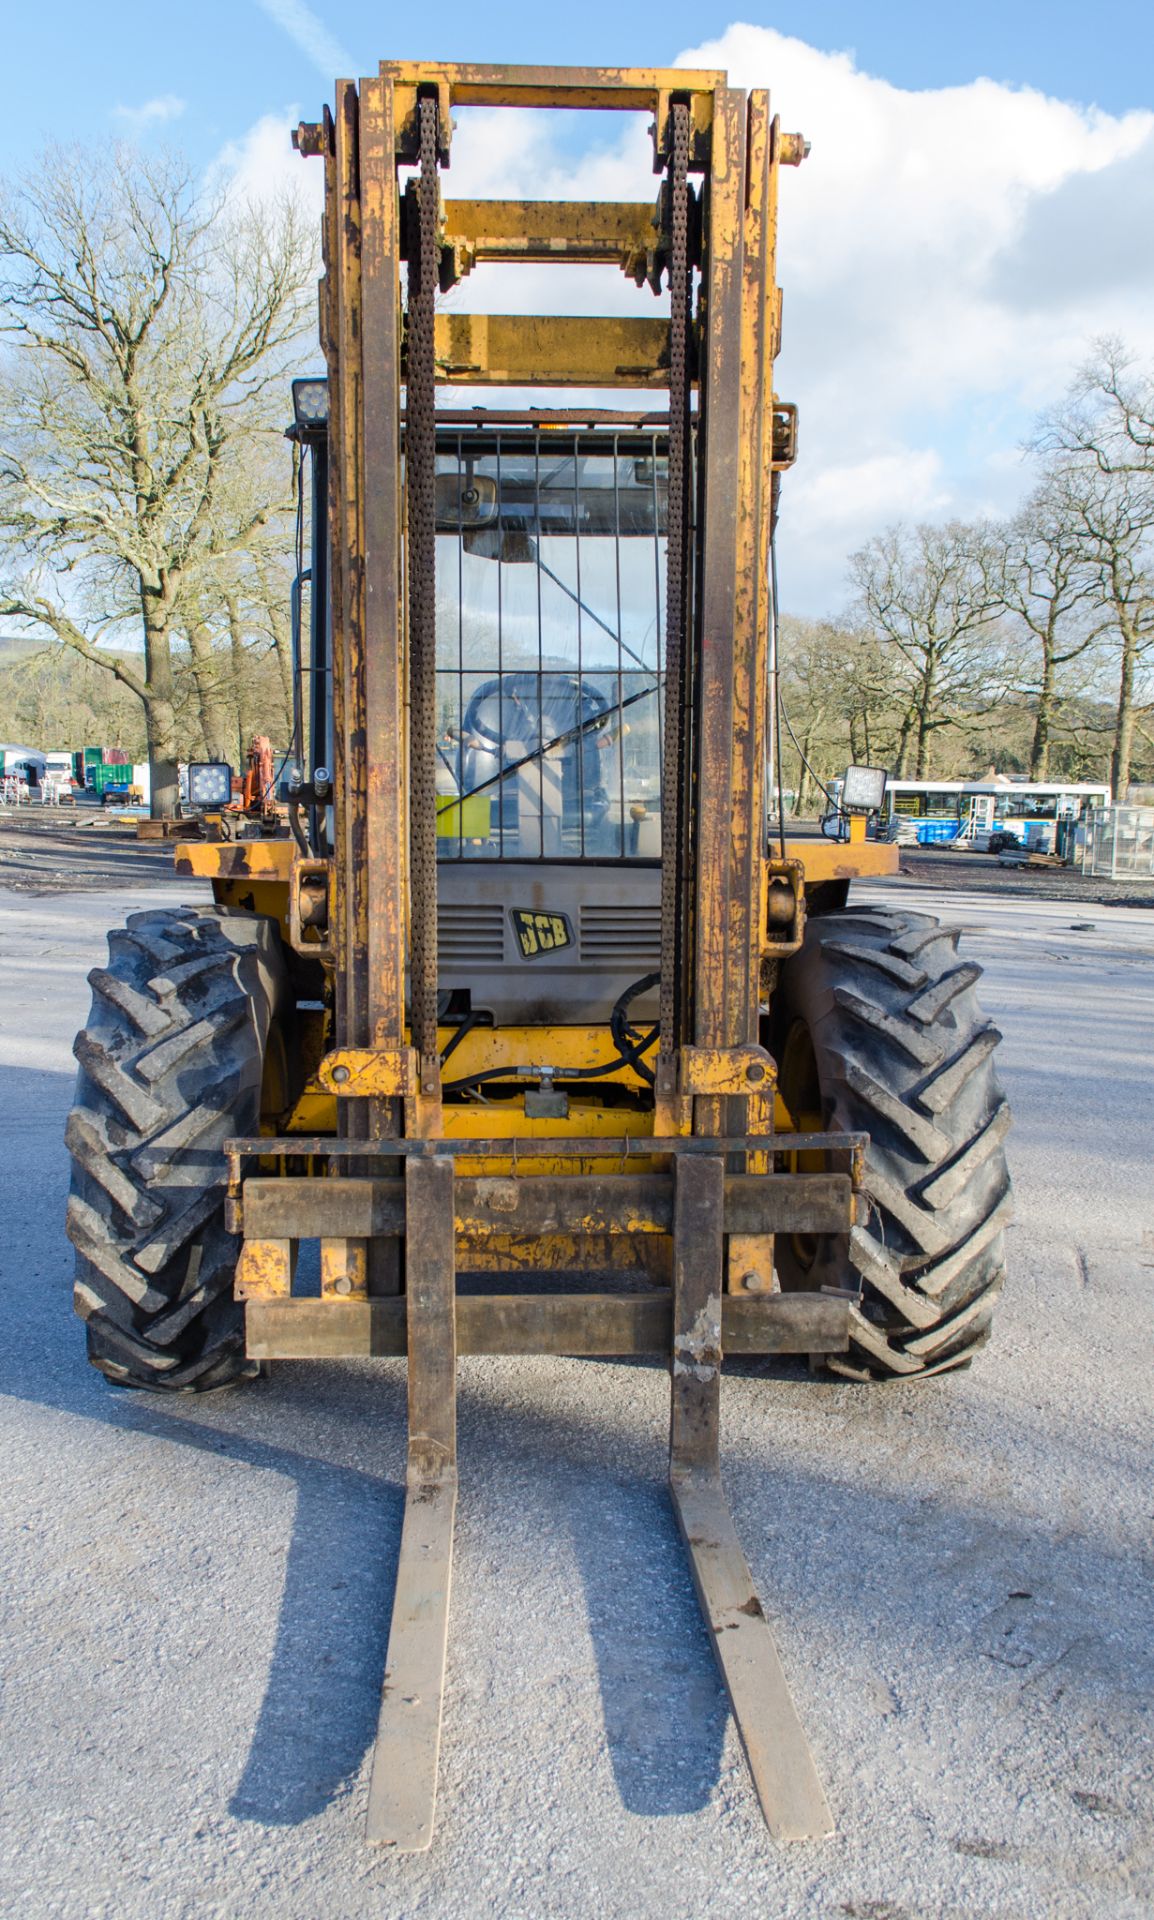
(465, 500)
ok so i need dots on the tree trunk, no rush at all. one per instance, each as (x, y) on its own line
(240, 681)
(282, 640)
(160, 705)
(212, 698)
(804, 778)
(926, 699)
(1043, 716)
(1124, 720)
(922, 758)
(903, 752)
(160, 720)
(801, 798)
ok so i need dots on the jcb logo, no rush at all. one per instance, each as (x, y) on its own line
(539, 933)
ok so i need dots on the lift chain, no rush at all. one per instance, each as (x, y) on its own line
(676, 555)
(420, 465)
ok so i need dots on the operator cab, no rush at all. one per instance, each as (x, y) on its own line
(550, 563)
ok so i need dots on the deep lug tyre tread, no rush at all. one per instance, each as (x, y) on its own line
(903, 1052)
(171, 1063)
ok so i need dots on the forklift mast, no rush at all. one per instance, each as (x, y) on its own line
(542, 672)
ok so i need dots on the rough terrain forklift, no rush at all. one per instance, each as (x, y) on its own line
(537, 987)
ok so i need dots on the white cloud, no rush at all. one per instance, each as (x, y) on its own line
(263, 166)
(311, 36)
(166, 106)
(905, 485)
(947, 256)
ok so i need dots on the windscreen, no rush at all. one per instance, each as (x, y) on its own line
(550, 581)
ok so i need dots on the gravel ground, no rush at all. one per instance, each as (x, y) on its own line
(66, 851)
(195, 1599)
(62, 852)
(982, 872)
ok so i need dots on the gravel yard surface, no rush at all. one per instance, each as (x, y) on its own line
(66, 853)
(70, 850)
(985, 873)
(195, 1597)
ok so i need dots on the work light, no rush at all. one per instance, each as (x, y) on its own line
(209, 783)
(311, 404)
(863, 790)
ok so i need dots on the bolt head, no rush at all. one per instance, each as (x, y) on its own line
(751, 1281)
(755, 1073)
(340, 1075)
(343, 1284)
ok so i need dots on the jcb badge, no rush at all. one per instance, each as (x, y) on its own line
(539, 933)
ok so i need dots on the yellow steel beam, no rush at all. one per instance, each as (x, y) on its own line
(234, 860)
(610, 89)
(525, 350)
(838, 860)
(618, 232)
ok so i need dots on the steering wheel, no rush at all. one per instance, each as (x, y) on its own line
(549, 704)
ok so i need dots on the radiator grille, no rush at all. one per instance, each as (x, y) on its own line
(630, 933)
(470, 933)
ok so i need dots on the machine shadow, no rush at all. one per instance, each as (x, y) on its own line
(318, 1715)
(664, 1706)
(664, 1709)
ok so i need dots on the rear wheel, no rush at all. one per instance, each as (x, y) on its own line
(171, 1064)
(876, 1029)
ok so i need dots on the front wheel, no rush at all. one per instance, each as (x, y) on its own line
(876, 1029)
(172, 1062)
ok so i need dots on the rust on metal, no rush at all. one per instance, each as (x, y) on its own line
(551, 350)
(698, 1286)
(676, 906)
(560, 1147)
(488, 1206)
(344, 1267)
(235, 860)
(781, 926)
(380, 1073)
(727, 1070)
(403, 1783)
(616, 232)
(264, 1270)
(558, 1323)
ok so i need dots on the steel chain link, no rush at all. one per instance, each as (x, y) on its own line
(676, 557)
(420, 469)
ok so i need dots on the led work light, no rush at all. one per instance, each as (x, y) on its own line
(863, 790)
(311, 404)
(209, 783)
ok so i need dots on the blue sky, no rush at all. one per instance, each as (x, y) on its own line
(68, 64)
(977, 207)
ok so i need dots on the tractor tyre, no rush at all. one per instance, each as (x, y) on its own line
(171, 1064)
(876, 1029)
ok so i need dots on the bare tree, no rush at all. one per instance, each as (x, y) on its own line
(56, 699)
(837, 701)
(1049, 586)
(930, 595)
(1100, 447)
(148, 333)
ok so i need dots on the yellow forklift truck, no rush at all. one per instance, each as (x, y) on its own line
(537, 1031)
